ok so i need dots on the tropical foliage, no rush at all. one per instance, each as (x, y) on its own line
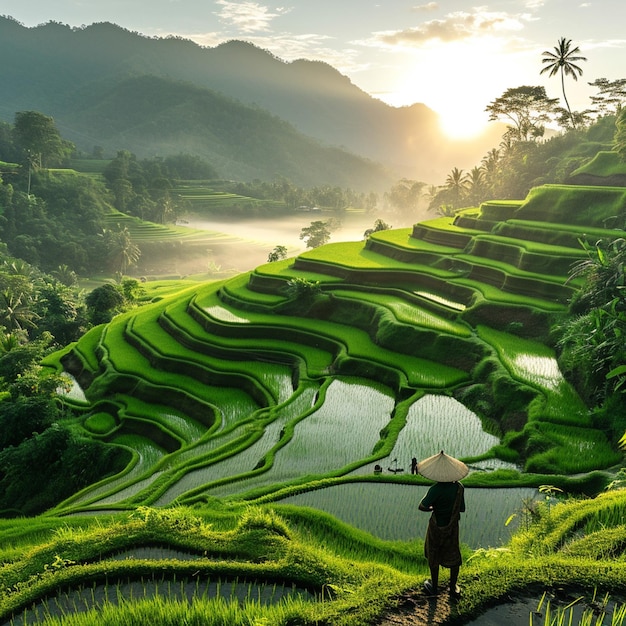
(563, 61)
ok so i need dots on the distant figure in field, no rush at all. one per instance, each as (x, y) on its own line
(446, 501)
(413, 465)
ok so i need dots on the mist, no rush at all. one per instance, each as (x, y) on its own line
(248, 242)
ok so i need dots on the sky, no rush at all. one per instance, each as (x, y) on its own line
(454, 56)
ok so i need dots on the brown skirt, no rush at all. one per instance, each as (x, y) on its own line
(441, 546)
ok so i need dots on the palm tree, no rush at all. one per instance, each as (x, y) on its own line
(475, 185)
(563, 60)
(15, 311)
(490, 165)
(456, 184)
(122, 250)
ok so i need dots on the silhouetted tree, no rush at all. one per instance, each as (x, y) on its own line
(378, 226)
(456, 186)
(563, 61)
(317, 234)
(278, 253)
(527, 108)
(612, 94)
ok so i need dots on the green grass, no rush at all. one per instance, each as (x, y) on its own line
(534, 364)
(605, 163)
(574, 204)
(216, 555)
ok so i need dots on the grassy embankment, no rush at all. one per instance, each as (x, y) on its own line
(284, 565)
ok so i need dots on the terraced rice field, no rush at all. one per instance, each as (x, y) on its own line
(236, 390)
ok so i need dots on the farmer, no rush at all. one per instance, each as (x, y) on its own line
(446, 502)
(413, 465)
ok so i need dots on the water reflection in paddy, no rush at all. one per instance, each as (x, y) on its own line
(390, 511)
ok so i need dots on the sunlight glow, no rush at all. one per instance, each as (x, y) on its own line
(463, 124)
(458, 80)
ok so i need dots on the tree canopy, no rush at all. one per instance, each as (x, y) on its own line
(317, 234)
(526, 108)
(563, 60)
(39, 139)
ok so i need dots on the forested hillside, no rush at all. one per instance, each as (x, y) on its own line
(85, 77)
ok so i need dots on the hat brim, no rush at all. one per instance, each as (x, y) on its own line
(442, 468)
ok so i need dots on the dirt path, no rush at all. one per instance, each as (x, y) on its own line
(416, 609)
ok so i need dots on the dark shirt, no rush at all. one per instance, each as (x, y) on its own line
(441, 497)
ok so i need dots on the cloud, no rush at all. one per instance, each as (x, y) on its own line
(456, 26)
(248, 17)
(431, 6)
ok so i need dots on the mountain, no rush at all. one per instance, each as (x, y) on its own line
(81, 76)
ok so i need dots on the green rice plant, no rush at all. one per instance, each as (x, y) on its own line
(341, 432)
(571, 520)
(349, 258)
(511, 280)
(499, 209)
(235, 342)
(439, 422)
(354, 346)
(389, 511)
(165, 352)
(166, 603)
(604, 544)
(565, 449)
(534, 364)
(495, 295)
(242, 461)
(238, 289)
(445, 231)
(100, 423)
(173, 385)
(574, 204)
(579, 613)
(221, 354)
(408, 313)
(285, 270)
(176, 422)
(605, 163)
(147, 455)
(349, 541)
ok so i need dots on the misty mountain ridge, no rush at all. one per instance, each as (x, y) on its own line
(248, 112)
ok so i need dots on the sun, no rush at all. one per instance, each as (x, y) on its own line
(462, 124)
(457, 81)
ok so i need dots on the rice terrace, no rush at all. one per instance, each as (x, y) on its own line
(255, 409)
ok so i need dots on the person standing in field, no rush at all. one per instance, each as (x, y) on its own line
(445, 501)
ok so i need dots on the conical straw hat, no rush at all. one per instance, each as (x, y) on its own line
(442, 468)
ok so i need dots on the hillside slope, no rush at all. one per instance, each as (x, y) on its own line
(55, 69)
(254, 387)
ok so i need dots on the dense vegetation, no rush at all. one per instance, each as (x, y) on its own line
(245, 390)
(111, 89)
